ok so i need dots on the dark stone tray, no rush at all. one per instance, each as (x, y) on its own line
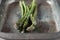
(9, 32)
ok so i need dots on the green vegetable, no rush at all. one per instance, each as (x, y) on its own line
(27, 12)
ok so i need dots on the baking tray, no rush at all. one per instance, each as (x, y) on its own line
(10, 11)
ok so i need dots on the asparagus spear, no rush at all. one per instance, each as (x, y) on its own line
(25, 7)
(26, 22)
(33, 16)
(33, 19)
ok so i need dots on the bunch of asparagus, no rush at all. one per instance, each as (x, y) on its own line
(27, 21)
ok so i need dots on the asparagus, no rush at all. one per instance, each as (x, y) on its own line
(26, 22)
(27, 12)
(33, 19)
(26, 16)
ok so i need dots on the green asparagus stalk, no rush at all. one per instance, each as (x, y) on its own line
(25, 7)
(33, 19)
(22, 8)
(26, 22)
(33, 16)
